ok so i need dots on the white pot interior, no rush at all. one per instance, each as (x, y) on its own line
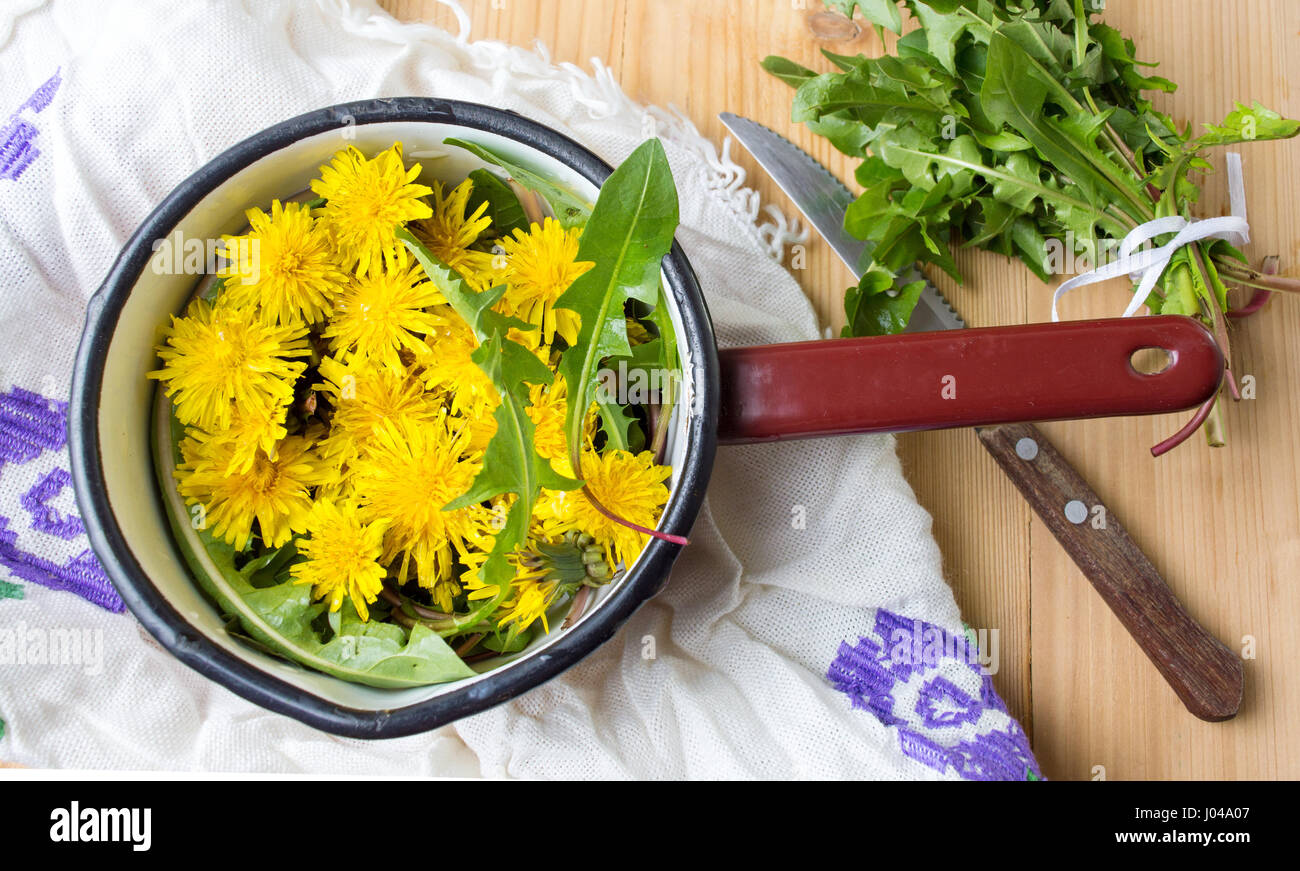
(126, 411)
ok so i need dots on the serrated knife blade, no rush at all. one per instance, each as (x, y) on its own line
(823, 199)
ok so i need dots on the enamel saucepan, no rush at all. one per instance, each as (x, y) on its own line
(924, 381)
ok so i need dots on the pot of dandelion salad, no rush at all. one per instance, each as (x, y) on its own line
(397, 409)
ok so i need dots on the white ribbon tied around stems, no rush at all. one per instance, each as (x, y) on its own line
(1145, 267)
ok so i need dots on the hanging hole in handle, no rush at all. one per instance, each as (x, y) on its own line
(1150, 361)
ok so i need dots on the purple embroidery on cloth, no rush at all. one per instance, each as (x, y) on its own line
(861, 673)
(30, 424)
(911, 657)
(915, 646)
(943, 703)
(996, 755)
(989, 696)
(81, 575)
(18, 137)
(47, 518)
(17, 151)
(916, 746)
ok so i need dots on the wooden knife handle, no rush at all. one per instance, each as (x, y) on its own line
(1205, 674)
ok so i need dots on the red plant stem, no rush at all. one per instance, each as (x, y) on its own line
(1232, 385)
(1220, 323)
(1256, 303)
(1203, 413)
(1188, 428)
(578, 608)
(400, 617)
(469, 644)
(1270, 267)
(664, 410)
(1264, 282)
(388, 595)
(1261, 296)
(662, 418)
(653, 533)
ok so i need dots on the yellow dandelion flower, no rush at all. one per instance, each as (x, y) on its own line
(254, 429)
(545, 572)
(366, 201)
(628, 485)
(480, 425)
(533, 591)
(532, 340)
(450, 232)
(448, 369)
(547, 408)
(534, 596)
(219, 358)
(540, 265)
(342, 556)
(274, 491)
(285, 265)
(380, 313)
(364, 396)
(406, 477)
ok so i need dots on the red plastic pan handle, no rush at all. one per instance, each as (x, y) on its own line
(959, 378)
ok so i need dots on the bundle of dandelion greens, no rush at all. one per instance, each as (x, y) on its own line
(389, 418)
(1005, 123)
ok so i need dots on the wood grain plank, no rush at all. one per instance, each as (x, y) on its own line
(1223, 526)
(1220, 524)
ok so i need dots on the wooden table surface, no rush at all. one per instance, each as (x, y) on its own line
(1223, 525)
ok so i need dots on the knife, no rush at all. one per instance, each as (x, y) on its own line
(1205, 674)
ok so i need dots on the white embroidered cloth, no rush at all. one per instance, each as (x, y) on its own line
(790, 639)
